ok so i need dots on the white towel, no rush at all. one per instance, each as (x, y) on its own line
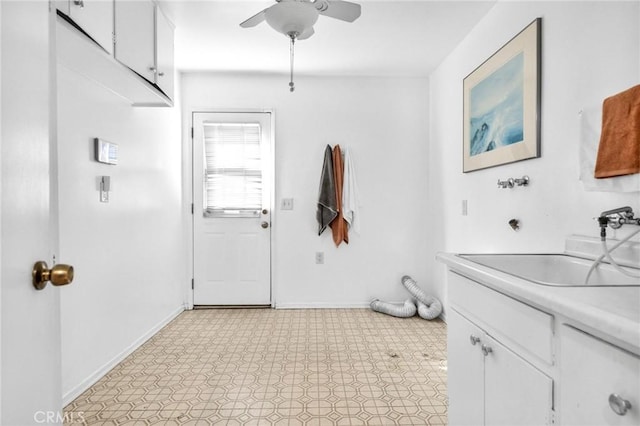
(350, 202)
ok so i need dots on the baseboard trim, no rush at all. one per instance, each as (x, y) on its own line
(68, 397)
(321, 305)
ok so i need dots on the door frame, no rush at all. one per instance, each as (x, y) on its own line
(189, 198)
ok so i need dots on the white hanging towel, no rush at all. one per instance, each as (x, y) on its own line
(350, 202)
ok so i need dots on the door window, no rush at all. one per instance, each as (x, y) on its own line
(233, 170)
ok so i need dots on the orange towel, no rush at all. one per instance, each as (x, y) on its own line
(339, 225)
(619, 149)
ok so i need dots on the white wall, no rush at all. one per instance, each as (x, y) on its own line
(590, 50)
(129, 254)
(384, 124)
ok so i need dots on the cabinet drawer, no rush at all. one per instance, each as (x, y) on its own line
(590, 371)
(519, 323)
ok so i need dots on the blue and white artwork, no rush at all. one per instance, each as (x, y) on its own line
(496, 108)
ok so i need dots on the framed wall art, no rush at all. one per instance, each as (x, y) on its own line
(502, 104)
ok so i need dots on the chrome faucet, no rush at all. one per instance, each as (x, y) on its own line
(616, 218)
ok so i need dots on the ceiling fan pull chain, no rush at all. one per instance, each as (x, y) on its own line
(291, 85)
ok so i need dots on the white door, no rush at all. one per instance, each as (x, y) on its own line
(30, 319)
(232, 181)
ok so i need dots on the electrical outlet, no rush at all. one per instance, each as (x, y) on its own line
(286, 204)
(319, 257)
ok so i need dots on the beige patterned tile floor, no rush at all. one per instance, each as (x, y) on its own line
(277, 367)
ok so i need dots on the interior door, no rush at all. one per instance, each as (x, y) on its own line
(30, 318)
(232, 186)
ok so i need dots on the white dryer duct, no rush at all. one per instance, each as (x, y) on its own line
(405, 311)
(428, 306)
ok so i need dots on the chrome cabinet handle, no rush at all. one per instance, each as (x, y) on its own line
(153, 69)
(474, 339)
(79, 3)
(265, 224)
(486, 350)
(618, 404)
(161, 74)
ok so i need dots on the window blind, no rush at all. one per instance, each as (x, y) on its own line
(233, 169)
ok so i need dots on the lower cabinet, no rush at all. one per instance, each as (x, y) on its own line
(465, 371)
(490, 384)
(600, 383)
(515, 392)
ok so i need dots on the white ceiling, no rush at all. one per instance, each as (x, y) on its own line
(391, 38)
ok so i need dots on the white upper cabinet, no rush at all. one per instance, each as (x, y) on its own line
(136, 59)
(94, 17)
(164, 53)
(135, 36)
(63, 6)
(144, 42)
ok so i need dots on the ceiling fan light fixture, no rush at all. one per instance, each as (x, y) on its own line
(291, 18)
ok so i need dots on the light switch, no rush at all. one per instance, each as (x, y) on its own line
(105, 187)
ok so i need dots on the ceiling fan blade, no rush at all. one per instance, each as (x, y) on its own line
(254, 20)
(338, 9)
(306, 34)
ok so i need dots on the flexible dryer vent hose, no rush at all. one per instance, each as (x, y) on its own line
(405, 311)
(428, 306)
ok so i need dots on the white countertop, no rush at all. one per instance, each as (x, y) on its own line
(609, 313)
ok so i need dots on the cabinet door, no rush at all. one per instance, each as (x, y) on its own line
(63, 6)
(590, 371)
(95, 17)
(516, 393)
(465, 371)
(135, 36)
(164, 53)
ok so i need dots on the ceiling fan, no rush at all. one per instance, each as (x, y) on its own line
(295, 18)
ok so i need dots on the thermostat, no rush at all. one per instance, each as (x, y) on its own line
(106, 152)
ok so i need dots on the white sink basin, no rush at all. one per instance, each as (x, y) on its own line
(555, 269)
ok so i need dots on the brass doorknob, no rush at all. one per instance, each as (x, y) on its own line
(58, 275)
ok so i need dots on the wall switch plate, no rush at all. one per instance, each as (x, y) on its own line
(464, 207)
(319, 257)
(105, 187)
(286, 204)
